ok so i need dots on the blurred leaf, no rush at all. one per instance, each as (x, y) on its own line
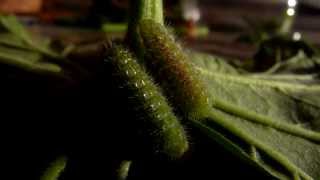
(114, 28)
(214, 63)
(12, 25)
(279, 49)
(21, 50)
(27, 60)
(12, 40)
(123, 170)
(300, 63)
(55, 169)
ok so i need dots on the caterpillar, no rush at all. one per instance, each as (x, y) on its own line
(156, 118)
(171, 69)
(183, 86)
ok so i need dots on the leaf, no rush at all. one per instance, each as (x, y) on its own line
(123, 171)
(20, 49)
(292, 103)
(12, 25)
(55, 169)
(214, 63)
(235, 150)
(27, 60)
(301, 64)
(11, 40)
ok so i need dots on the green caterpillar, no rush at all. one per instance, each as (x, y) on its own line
(172, 70)
(156, 116)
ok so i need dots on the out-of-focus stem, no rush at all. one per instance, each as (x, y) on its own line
(289, 17)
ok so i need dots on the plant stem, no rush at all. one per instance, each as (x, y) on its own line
(139, 10)
(286, 25)
(145, 9)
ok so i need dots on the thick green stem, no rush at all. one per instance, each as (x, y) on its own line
(145, 9)
(139, 10)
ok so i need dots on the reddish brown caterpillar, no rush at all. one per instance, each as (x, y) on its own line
(162, 126)
(171, 69)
